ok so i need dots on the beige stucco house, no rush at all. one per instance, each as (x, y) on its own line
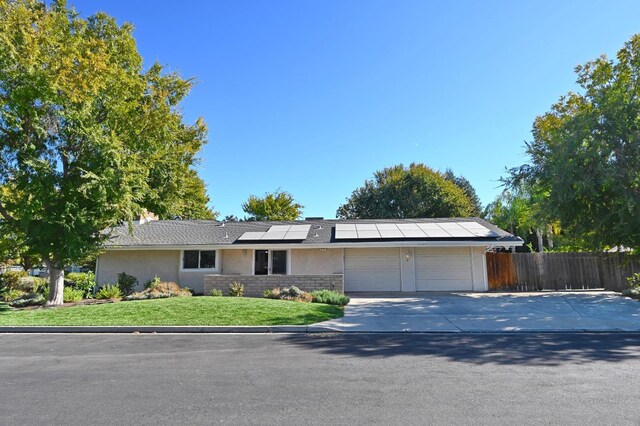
(345, 255)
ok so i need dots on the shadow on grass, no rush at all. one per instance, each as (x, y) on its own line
(4, 308)
(322, 313)
(504, 349)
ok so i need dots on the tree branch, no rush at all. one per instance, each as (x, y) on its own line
(6, 215)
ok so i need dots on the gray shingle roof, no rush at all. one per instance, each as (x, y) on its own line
(207, 232)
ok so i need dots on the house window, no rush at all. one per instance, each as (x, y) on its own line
(199, 259)
(270, 262)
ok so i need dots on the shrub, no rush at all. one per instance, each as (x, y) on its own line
(271, 293)
(159, 290)
(216, 293)
(330, 297)
(109, 291)
(126, 283)
(40, 285)
(151, 283)
(11, 279)
(288, 293)
(236, 289)
(12, 295)
(84, 283)
(75, 276)
(634, 286)
(33, 299)
(71, 295)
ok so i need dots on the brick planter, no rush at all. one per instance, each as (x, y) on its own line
(254, 285)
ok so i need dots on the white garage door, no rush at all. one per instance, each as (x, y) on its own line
(372, 269)
(443, 269)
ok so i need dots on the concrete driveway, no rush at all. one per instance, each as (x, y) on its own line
(489, 312)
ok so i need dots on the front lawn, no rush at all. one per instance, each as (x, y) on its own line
(202, 310)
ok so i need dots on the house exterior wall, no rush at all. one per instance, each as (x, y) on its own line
(236, 262)
(255, 285)
(142, 264)
(316, 261)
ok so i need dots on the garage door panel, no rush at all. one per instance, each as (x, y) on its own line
(444, 274)
(443, 270)
(372, 270)
(447, 285)
(439, 261)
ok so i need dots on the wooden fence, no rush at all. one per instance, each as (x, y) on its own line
(560, 271)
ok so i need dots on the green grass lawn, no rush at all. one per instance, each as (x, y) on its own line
(202, 310)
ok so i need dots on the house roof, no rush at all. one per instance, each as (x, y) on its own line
(185, 233)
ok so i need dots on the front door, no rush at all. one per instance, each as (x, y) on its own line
(270, 262)
(261, 262)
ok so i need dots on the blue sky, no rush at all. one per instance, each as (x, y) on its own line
(313, 96)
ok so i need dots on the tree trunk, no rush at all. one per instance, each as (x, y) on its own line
(56, 284)
(540, 241)
(27, 264)
(550, 236)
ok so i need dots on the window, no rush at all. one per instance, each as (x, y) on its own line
(199, 259)
(270, 262)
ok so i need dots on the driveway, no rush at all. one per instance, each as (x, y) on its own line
(489, 312)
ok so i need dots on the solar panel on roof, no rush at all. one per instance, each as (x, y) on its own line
(251, 236)
(411, 230)
(278, 233)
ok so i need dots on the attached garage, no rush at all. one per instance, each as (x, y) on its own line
(444, 269)
(372, 269)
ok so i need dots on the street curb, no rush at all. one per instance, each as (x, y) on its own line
(156, 329)
(297, 329)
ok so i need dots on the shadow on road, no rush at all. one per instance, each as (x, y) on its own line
(504, 349)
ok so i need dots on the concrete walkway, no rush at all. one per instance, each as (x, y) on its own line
(489, 312)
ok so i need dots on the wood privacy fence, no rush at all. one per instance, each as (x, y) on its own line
(560, 271)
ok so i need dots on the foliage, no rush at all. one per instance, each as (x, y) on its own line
(84, 282)
(75, 276)
(231, 218)
(109, 291)
(127, 283)
(155, 280)
(32, 299)
(278, 205)
(88, 139)
(215, 293)
(39, 285)
(72, 295)
(13, 294)
(585, 154)
(179, 311)
(634, 286)
(236, 289)
(11, 279)
(158, 290)
(399, 192)
(288, 293)
(518, 212)
(464, 184)
(330, 297)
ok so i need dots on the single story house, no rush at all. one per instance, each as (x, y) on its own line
(391, 255)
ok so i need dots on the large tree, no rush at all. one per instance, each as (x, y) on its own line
(88, 139)
(278, 205)
(407, 192)
(585, 154)
(464, 184)
(518, 212)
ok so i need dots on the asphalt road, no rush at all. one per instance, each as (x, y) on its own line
(568, 379)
